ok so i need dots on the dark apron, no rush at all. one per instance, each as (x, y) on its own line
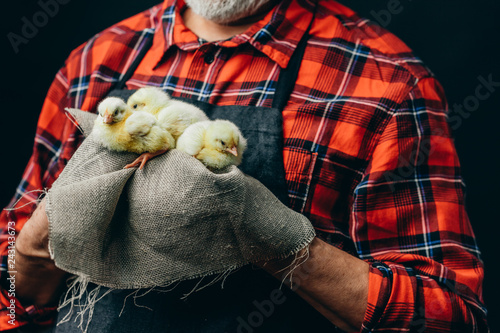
(251, 300)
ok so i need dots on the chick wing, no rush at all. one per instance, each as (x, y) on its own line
(178, 116)
(192, 139)
(139, 123)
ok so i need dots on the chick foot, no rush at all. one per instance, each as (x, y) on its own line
(143, 159)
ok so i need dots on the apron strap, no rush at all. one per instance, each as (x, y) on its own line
(131, 70)
(288, 75)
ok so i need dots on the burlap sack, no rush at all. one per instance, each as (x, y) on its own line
(172, 221)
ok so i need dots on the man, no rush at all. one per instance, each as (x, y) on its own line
(367, 151)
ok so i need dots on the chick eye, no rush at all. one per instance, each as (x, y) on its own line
(115, 113)
(222, 142)
(135, 106)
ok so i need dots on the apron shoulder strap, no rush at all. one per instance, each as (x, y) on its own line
(131, 70)
(288, 76)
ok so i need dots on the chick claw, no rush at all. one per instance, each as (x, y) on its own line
(143, 159)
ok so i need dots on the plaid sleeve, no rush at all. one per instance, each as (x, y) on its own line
(409, 222)
(45, 164)
(86, 77)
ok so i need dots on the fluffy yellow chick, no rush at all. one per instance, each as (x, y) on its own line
(149, 99)
(118, 128)
(216, 144)
(174, 116)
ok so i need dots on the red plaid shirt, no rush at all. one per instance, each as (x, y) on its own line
(367, 150)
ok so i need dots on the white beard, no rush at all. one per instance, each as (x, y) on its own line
(225, 11)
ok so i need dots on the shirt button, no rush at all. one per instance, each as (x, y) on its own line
(209, 58)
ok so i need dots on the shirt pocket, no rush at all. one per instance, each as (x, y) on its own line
(299, 167)
(331, 187)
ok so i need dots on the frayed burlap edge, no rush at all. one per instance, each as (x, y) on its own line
(77, 286)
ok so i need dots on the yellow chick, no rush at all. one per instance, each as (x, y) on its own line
(173, 115)
(216, 144)
(118, 128)
(149, 99)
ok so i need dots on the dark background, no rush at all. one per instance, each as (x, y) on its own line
(458, 40)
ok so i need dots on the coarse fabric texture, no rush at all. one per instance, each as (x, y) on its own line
(172, 221)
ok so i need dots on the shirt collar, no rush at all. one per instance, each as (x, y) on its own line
(276, 35)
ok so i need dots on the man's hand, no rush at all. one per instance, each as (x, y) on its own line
(331, 280)
(38, 280)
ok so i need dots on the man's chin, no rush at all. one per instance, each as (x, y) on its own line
(227, 12)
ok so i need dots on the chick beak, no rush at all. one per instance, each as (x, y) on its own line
(232, 151)
(107, 118)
